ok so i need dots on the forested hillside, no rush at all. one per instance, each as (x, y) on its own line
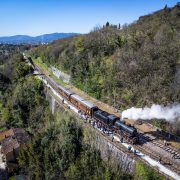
(59, 147)
(135, 65)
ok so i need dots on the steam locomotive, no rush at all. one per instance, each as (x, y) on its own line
(103, 119)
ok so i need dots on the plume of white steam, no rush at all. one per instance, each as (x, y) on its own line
(169, 113)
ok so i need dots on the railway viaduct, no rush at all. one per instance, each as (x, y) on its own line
(109, 150)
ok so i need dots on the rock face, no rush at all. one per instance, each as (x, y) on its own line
(118, 158)
(61, 75)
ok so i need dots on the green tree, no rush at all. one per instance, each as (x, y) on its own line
(107, 24)
(144, 172)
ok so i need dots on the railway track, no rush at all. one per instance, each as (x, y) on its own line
(147, 149)
(164, 161)
(174, 152)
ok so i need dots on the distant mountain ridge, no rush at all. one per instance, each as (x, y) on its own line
(24, 39)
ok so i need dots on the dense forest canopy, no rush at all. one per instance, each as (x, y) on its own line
(135, 65)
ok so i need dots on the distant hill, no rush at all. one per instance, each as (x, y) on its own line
(45, 38)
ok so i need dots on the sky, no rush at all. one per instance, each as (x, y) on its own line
(35, 17)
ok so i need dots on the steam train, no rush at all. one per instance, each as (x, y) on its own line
(103, 119)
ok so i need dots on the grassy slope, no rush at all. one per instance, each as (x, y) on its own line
(45, 69)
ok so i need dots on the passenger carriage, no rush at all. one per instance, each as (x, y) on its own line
(66, 93)
(83, 105)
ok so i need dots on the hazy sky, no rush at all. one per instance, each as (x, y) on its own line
(34, 17)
